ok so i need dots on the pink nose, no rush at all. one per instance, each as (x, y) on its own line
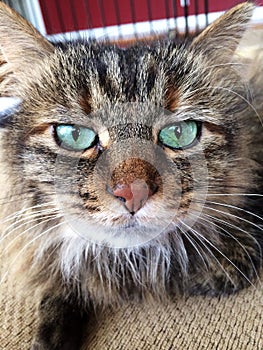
(133, 196)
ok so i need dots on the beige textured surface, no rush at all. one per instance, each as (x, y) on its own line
(197, 323)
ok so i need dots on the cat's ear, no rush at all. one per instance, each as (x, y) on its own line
(220, 39)
(20, 43)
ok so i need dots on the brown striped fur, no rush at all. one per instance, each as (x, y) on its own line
(200, 230)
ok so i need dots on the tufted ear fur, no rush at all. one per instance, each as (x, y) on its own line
(220, 39)
(21, 45)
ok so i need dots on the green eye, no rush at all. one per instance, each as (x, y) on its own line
(179, 135)
(76, 138)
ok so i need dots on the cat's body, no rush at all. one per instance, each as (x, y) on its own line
(131, 173)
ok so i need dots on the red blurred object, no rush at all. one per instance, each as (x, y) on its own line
(85, 14)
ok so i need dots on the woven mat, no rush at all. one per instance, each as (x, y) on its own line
(197, 323)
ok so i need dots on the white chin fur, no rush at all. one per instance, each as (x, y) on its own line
(117, 230)
(121, 236)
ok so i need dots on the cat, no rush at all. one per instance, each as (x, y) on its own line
(128, 174)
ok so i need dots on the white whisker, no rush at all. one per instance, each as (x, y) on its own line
(195, 245)
(231, 225)
(47, 219)
(227, 64)
(235, 216)
(26, 246)
(235, 194)
(28, 219)
(236, 208)
(201, 237)
(24, 211)
(235, 239)
(222, 254)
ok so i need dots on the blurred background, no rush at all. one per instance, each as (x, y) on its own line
(123, 20)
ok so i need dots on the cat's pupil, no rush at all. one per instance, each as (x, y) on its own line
(75, 133)
(178, 131)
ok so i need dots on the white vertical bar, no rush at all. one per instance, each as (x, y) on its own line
(185, 3)
(35, 15)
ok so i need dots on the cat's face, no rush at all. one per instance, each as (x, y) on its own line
(101, 141)
(122, 168)
(132, 145)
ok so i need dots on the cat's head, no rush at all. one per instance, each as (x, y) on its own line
(126, 144)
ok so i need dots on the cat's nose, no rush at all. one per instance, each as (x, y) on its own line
(134, 195)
